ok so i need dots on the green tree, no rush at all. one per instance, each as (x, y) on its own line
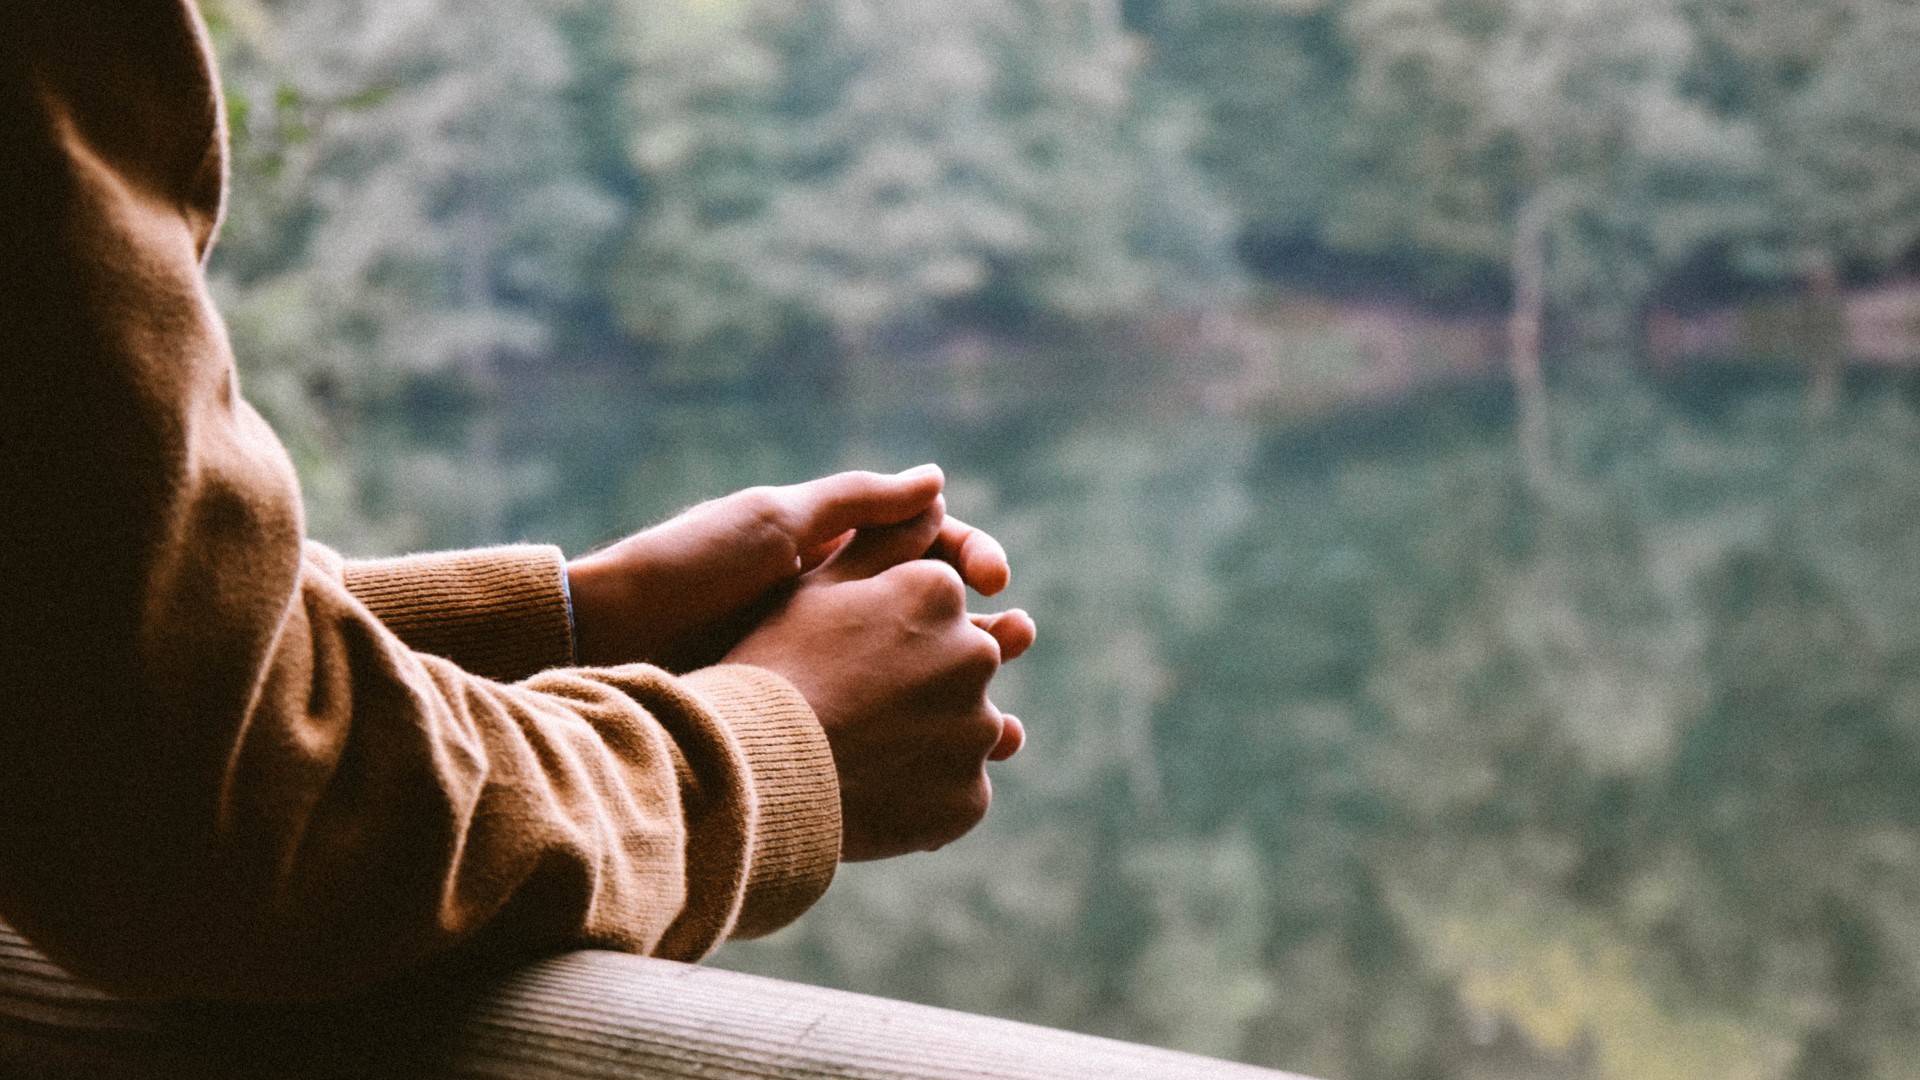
(409, 212)
(1827, 90)
(839, 169)
(1271, 79)
(1518, 134)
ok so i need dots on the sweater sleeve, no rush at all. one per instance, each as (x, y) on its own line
(499, 612)
(221, 774)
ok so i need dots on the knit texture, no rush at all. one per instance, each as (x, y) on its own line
(233, 766)
(500, 612)
(796, 848)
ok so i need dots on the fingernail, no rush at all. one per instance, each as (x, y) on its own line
(929, 469)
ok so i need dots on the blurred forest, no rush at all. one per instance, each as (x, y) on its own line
(1463, 456)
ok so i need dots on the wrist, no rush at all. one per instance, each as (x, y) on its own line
(597, 596)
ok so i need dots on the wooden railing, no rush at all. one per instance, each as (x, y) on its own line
(581, 1015)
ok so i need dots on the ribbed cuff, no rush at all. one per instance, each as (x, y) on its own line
(498, 612)
(796, 834)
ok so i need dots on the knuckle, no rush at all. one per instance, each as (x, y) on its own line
(983, 648)
(985, 735)
(766, 517)
(977, 658)
(762, 505)
(971, 733)
(938, 583)
(973, 802)
(965, 808)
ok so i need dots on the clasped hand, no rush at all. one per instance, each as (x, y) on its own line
(853, 587)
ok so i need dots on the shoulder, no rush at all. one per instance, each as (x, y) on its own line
(125, 85)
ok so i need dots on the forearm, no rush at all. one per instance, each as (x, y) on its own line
(220, 774)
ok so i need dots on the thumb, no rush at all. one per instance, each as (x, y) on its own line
(874, 551)
(825, 509)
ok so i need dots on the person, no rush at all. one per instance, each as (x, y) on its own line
(236, 766)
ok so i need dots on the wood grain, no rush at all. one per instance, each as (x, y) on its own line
(580, 1015)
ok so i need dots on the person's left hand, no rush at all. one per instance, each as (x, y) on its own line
(682, 593)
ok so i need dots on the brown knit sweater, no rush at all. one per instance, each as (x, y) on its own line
(231, 764)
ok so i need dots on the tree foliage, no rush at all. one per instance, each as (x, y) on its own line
(842, 167)
(408, 214)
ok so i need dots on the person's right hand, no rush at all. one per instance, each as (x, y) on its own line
(879, 641)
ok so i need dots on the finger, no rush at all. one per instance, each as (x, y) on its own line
(981, 560)
(874, 551)
(835, 505)
(819, 553)
(1013, 736)
(1014, 630)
